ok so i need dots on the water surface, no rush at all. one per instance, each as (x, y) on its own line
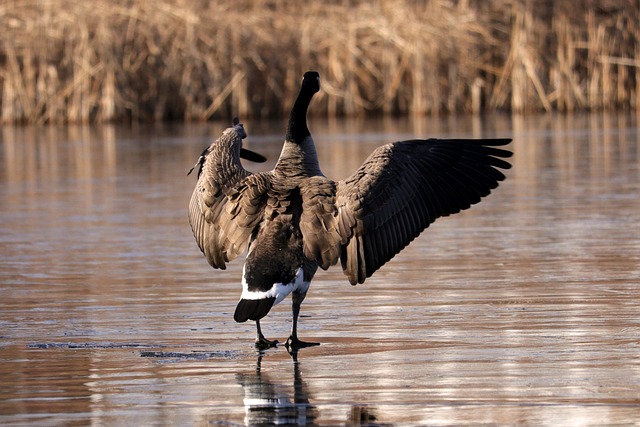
(522, 310)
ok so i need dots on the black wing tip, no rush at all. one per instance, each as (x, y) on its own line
(476, 143)
(200, 162)
(496, 142)
(497, 162)
(252, 156)
(497, 154)
(486, 148)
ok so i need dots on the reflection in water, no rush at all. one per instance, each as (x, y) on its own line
(271, 403)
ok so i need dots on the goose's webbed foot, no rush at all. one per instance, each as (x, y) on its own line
(261, 342)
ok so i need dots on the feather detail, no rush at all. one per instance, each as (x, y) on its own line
(403, 187)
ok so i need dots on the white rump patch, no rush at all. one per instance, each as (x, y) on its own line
(278, 290)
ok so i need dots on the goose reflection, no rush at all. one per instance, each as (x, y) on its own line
(270, 403)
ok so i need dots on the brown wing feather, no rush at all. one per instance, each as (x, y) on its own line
(318, 221)
(204, 209)
(219, 177)
(242, 214)
(402, 188)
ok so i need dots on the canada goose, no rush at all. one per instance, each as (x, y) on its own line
(293, 219)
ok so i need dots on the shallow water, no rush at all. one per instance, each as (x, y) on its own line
(522, 310)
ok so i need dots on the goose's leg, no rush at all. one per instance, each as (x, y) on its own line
(261, 341)
(293, 341)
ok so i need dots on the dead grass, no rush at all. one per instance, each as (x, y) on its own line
(67, 61)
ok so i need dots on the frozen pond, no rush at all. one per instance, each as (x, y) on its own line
(523, 310)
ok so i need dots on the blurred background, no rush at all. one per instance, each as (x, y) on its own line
(65, 61)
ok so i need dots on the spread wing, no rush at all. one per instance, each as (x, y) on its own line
(402, 188)
(221, 212)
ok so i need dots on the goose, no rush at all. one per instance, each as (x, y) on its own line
(293, 219)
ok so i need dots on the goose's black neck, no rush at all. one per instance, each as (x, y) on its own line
(297, 129)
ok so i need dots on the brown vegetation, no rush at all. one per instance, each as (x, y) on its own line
(104, 60)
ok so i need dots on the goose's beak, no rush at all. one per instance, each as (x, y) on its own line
(252, 156)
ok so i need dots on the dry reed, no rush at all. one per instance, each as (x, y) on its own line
(66, 61)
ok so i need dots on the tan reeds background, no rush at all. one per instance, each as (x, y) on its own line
(105, 60)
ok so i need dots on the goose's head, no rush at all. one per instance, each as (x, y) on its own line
(244, 152)
(311, 82)
(239, 128)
